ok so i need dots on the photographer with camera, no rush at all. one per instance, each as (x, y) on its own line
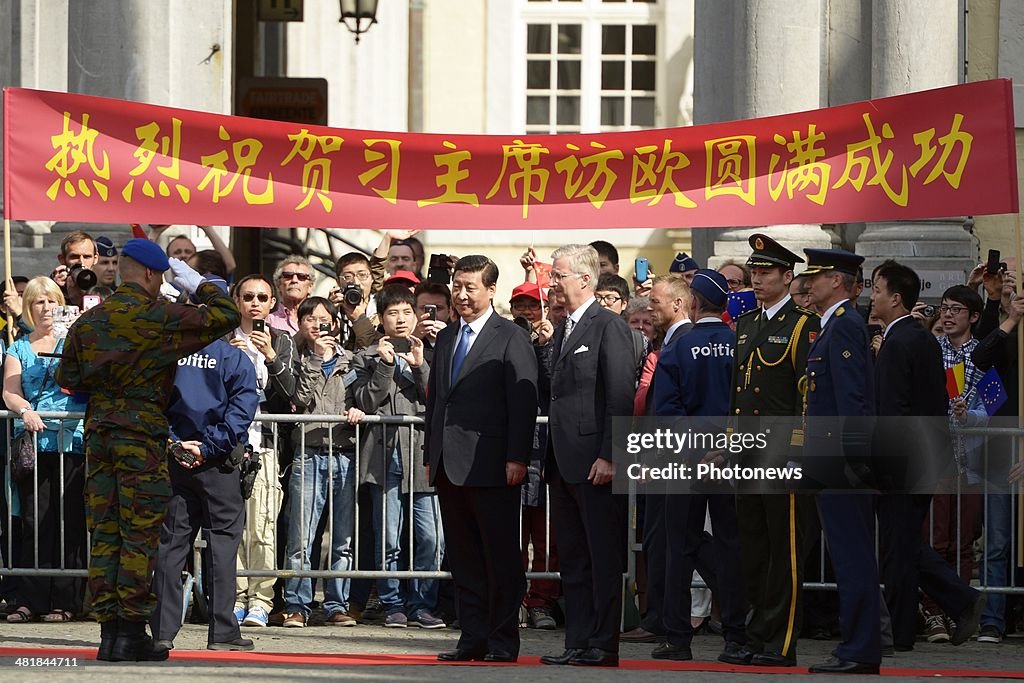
(78, 255)
(324, 464)
(212, 406)
(271, 352)
(358, 279)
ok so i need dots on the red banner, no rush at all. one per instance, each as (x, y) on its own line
(943, 152)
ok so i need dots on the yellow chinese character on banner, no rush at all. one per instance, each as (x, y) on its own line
(949, 141)
(730, 167)
(169, 147)
(449, 180)
(390, 160)
(602, 174)
(857, 163)
(802, 169)
(316, 173)
(652, 175)
(244, 153)
(526, 157)
(72, 150)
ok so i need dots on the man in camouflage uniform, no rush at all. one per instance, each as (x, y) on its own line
(772, 342)
(124, 353)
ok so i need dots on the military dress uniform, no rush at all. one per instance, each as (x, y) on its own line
(124, 354)
(840, 403)
(776, 525)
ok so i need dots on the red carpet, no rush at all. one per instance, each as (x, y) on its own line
(301, 658)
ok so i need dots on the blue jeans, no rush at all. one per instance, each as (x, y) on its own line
(308, 490)
(426, 527)
(996, 562)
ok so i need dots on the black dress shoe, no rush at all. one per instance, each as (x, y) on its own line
(772, 659)
(562, 659)
(840, 666)
(595, 657)
(734, 653)
(236, 645)
(462, 656)
(967, 623)
(679, 653)
(500, 656)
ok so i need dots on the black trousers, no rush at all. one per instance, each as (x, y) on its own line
(776, 531)
(907, 563)
(211, 500)
(684, 525)
(481, 535)
(654, 552)
(41, 518)
(590, 532)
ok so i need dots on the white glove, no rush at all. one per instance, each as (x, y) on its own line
(184, 276)
(169, 292)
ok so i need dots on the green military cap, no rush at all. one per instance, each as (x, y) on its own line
(770, 254)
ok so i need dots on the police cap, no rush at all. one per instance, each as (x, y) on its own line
(683, 263)
(105, 246)
(770, 254)
(832, 260)
(712, 285)
(146, 252)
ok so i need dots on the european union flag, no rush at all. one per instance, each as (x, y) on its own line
(739, 303)
(991, 390)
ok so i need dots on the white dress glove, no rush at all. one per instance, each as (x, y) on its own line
(184, 276)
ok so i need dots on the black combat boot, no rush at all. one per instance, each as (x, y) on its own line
(108, 634)
(133, 645)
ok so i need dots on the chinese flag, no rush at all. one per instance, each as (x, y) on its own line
(955, 380)
(543, 271)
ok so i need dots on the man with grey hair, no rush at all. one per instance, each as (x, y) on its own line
(591, 380)
(295, 279)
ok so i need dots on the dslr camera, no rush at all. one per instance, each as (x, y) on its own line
(352, 295)
(83, 278)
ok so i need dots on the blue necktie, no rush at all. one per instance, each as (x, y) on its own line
(461, 351)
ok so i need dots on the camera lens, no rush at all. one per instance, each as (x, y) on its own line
(84, 278)
(353, 294)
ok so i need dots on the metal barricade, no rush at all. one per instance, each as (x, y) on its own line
(993, 503)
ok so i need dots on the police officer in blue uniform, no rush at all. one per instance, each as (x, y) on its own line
(212, 406)
(840, 401)
(694, 380)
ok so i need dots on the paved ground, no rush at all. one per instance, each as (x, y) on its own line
(1007, 656)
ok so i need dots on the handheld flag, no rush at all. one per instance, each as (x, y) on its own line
(955, 380)
(739, 303)
(992, 393)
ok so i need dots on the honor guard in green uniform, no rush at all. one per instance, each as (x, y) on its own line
(769, 382)
(124, 354)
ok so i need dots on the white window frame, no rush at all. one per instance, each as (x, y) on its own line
(506, 57)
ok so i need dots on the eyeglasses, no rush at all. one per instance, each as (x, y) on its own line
(955, 310)
(249, 296)
(350, 277)
(608, 298)
(734, 283)
(301, 277)
(557, 277)
(526, 303)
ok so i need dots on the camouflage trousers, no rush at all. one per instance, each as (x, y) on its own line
(126, 497)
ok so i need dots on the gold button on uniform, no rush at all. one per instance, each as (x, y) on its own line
(737, 411)
(757, 390)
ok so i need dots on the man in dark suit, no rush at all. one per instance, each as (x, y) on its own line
(911, 450)
(591, 380)
(694, 381)
(669, 307)
(776, 526)
(481, 411)
(840, 395)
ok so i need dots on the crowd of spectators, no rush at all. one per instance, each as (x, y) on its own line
(366, 350)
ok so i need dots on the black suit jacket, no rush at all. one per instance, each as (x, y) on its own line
(911, 445)
(486, 418)
(591, 381)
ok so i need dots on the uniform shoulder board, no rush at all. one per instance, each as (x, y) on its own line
(806, 311)
(839, 312)
(749, 313)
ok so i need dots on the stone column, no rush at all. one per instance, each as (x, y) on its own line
(915, 48)
(761, 58)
